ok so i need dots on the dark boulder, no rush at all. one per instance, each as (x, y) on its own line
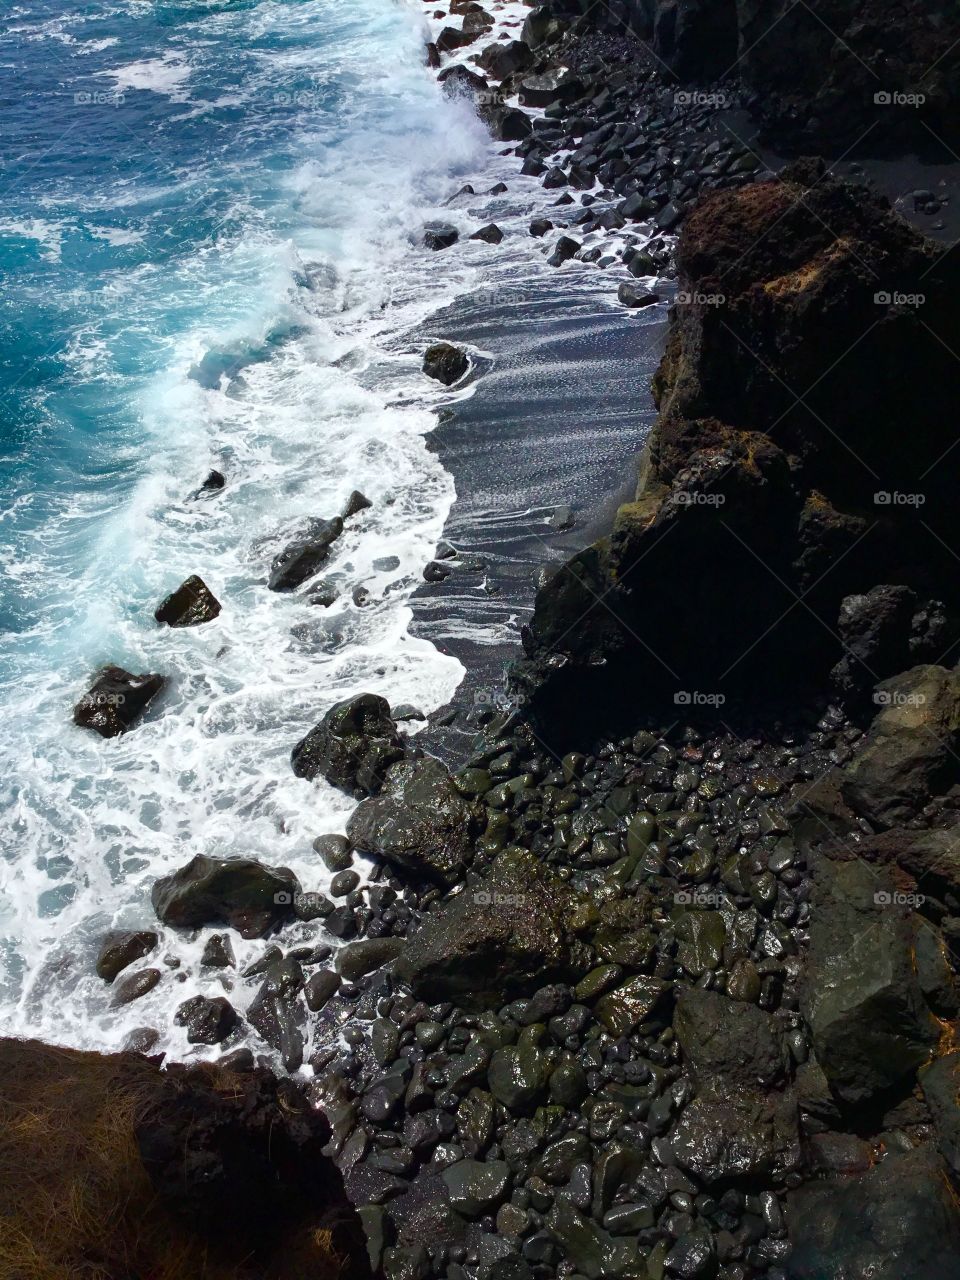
(459, 80)
(366, 956)
(133, 986)
(550, 86)
(115, 701)
(451, 38)
(304, 556)
(445, 362)
(352, 747)
(240, 892)
(440, 235)
(190, 605)
(541, 27)
(501, 938)
(505, 59)
(509, 124)
(749, 1137)
(276, 1012)
(208, 1021)
(420, 825)
(565, 248)
(120, 948)
(869, 1023)
(910, 751)
(632, 295)
(899, 1221)
(356, 503)
(214, 482)
(491, 234)
(728, 1045)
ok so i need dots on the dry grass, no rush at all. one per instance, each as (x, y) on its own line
(76, 1202)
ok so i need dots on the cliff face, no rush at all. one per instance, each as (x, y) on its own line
(825, 76)
(803, 454)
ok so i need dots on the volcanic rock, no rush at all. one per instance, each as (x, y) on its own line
(352, 747)
(115, 701)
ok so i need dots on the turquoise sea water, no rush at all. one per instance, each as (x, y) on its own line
(208, 233)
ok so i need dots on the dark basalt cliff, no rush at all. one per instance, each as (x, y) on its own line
(825, 76)
(803, 455)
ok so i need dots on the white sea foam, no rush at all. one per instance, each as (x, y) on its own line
(167, 75)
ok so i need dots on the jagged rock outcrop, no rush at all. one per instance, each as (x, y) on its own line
(801, 456)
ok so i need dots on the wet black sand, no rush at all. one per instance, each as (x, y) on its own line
(559, 413)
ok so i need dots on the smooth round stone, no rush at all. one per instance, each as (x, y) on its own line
(343, 882)
(428, 1034)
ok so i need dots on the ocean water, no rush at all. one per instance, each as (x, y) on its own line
(208, 258)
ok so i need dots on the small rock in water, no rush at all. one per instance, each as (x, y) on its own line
(192, 604)
(141, 1040)
(564, 249)
(302, 558)
(440, 235)
(352, 747)
(406, 711)
(115, 701)
(240, 892)
(134, 985)
(120, 948)
(562, 518)
(207, 1021)
(386, 564)
(632, 295)
(212, 484)
(324, 594)
(320, 988)
(445, 362)
(491, 234)
(218, 953)
(335, 851)
(433, 571)
(343, 882)
(356, 503)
